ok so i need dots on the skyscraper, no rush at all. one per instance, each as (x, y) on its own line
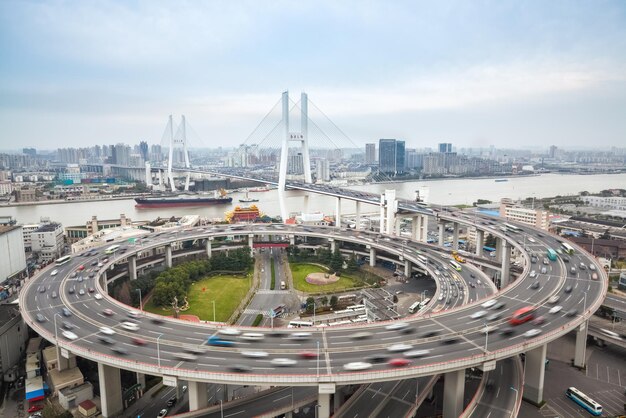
(445, 147)
(370, 153)
(391, 156)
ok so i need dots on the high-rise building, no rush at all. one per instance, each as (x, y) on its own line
(29, 151)
(391, 156)
(143, 150)
(121, 154)
(370, 153)
(445, 147)
(552, 152)
(295, 164)
(322, 170)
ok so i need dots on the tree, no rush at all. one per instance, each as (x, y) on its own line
(352, 264)
(310, 302)
(333, 301)
(336, 261)
(490, 241)
(324, 300)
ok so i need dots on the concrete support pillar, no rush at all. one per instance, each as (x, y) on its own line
(132, 267)
(423, 229)
(306, 203)
(442, 231)
(480, 242)
(453, 388)
(357, 223)
(168, 256)
(208, 247)
(103, 282)
(141, 379)
(407, 268)
(333, 246)
(581, 345)
(65, 363)
(455, 236)
(338, 399)
(251, 244)
(323, 405)
(338, 213)
(392, 208)
(198, 395)
(535, 368)
(372, 257)
(292, 240)
(499, 249)
(110, 390)
(506, 265)
(383, 214)
(415, 227)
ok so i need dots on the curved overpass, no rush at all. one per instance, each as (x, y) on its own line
(461, 341)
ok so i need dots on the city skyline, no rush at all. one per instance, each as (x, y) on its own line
(504, 74)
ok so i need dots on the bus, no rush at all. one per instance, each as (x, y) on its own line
(422, 259)
(424, 303)
(300, 324)
(512, 228)
(346, 298)
(415, 307)
(112, 249)
(551, 254)
(567, 248)
(62, 260)
(583, 400)
(522, 315)
(455, 265)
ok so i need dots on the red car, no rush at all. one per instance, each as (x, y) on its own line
(81, 268)
(108, 312)
(35, 408)
(91, 290)
(308, 354)
(399, 362)
(139, 341)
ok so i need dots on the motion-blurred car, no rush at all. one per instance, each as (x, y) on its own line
(130, 326)
(532, 333)
(283, 362)
(399, 347)
(357, 365)
(107, 312)
(69, 335)
(106, 331)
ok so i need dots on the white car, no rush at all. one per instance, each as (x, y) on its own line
(554, 299)
(283, 362)
(69, 335)
(394, 326)
(611, 334)
(533, 273)
(300, 336)
(556, 309)
(54, 272)
(229, 331)
(252, 336)
(399, 347)
(417, 353)
(532, 333)
(162, 413)
(130, 326)
(357, 365)
(254, 354)
(478, 314)
(107, 331)
(134, 314)
(489, 303)
(98, 296)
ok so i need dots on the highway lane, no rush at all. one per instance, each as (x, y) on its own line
(616, 302)
(498, 400)
(336, 351)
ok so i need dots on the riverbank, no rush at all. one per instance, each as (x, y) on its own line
(61, 202)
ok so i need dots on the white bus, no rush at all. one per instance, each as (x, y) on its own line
(455, 265)
(346, 298)
(512, 228)
(112, 249)
(567, 248)
(424, 303)
(299, 324)
(415, 307)
(62, 260)
(583, 400)
(422, 259)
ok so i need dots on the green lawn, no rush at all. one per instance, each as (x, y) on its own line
(227, 291)
(299, 271)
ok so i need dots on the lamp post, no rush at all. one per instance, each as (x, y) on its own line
(313, 313)
(159, 350)
(221, 408)
(213, 310)
(140, 300)
(486, 335)
(585, 302)
(318, 359)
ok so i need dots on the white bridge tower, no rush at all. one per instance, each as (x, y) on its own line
(299, 137)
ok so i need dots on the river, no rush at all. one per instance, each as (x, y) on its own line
(445, 192)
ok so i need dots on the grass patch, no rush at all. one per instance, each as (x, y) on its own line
(226, 290)
(299, 271)
(273, 283)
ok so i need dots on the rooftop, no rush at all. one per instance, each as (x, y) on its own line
(7, 313)
(8, 228)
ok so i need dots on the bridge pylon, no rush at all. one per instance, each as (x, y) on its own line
(288, 137)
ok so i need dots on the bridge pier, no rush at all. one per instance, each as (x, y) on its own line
(323, 399)
(480, 242)
(357, 223)
(292, 240)
(198, 395)
(499, 242)
(208, 247)
(407, 268)
(581, 345)
(534, 373)
(442, 230)
(132, 267)
(105, 286)
(110, 390)
(383, 217)
(306, 203)
(168, 256)
(453, 388)
(141, 379)
(338, 213)
(338, 399)
(391, 207)
(423, 229)
(251, 244)
(333, 245)
(455, 236)
(372, 257)
(416, 228)
(506, 264)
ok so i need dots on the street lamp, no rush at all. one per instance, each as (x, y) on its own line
(486, 335)
(221, 408)
(213, 310)
(318, 358)
(159, 350)
(140, 300)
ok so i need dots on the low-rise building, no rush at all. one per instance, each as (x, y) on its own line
(72, 397)
(538, 218)
(12, 257)
(48, 241)
(13, 337)
(67, 378)
(79, 232)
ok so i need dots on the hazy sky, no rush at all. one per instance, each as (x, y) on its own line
(475, 73)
